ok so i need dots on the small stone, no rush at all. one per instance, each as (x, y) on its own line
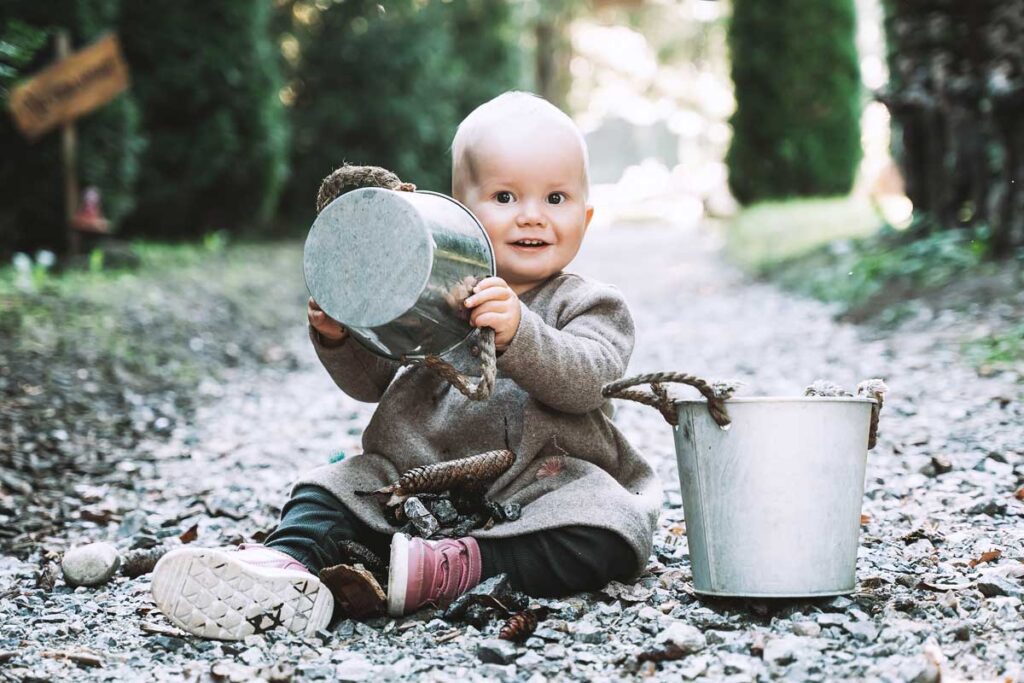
(426, 524)
(714, 637)
(496, 651)
(839, 603)
(90, 565)
(694, 667)
(355, 669)
(169, 643)
(511, 511)
(809, 629)
(962, 632)
(781, 651)
(586, 657)
(529, 660)
(496, 672)
(686, 638)
(993, 585)
(862, 630)
(554, 651)
(444, 511)
(829, 619)
(588, 633)
(991, 507)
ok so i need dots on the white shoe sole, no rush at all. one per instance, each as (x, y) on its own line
(209, 593)
(398, 575)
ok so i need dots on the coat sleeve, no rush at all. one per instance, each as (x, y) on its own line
(359, 373)
(564, 367)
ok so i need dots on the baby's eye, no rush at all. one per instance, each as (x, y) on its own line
(503, 197)
(556, 198)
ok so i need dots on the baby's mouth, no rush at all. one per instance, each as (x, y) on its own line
(530, 244)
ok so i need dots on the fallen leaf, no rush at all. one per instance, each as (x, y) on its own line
(1019, 495)
(865, 519)
(190, 534)
(355, 590)
(987, 556)
(677, 529)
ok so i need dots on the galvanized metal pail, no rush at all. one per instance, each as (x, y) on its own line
(395, 267)
(772, 501)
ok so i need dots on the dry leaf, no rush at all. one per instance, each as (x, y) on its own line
(677, 529)
(945, 586)
(1019, 495)
(987, 556)
(355, 589)
(865, 519)
(190, 534)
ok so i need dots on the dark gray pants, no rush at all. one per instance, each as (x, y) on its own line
(550, 563)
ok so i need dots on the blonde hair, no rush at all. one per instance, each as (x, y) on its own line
(514, 105)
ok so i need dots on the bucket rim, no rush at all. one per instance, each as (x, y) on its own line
(780, 399)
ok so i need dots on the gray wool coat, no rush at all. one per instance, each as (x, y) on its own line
(573, 466)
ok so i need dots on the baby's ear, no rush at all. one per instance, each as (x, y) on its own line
(588, 216)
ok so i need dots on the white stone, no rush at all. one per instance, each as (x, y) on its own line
(687, 638)
(90, 565)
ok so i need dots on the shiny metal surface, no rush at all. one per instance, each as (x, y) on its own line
(773, 503)
(395, 267)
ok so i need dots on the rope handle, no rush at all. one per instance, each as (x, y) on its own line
(873, 388)
(659, 398)
(349, 177)
(478, 391)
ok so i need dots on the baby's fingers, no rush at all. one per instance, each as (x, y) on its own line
(488, 282)
(489, 294)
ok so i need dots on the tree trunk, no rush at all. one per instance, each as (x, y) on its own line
(956, 96)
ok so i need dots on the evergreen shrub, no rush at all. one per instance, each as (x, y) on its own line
(796, 128)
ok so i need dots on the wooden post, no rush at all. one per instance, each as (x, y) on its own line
(68, 143)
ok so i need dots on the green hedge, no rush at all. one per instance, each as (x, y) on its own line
(796, 129)
(387, 83)
(207, 78)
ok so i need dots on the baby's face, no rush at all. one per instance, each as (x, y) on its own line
(528, 191)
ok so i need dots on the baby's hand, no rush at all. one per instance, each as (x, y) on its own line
(495, 305)
(329, 329)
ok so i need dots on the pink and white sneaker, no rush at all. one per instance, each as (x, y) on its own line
(424, 572)
(230, 594)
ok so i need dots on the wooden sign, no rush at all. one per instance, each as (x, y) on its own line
(70, 88)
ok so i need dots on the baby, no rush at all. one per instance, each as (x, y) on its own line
(589, 502)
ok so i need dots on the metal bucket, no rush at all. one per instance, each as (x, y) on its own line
(771, 486)
(773, 503)
(395, 267)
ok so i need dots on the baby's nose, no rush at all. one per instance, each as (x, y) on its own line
(530, 213)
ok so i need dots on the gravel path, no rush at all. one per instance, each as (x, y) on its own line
(940, 494)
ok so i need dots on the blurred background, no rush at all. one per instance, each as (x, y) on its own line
(866, 152)
(237, 109)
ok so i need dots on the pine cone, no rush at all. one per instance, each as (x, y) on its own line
(357, 553)
(352, 177)
(475, 471)
(142, 560)
(519, 626)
